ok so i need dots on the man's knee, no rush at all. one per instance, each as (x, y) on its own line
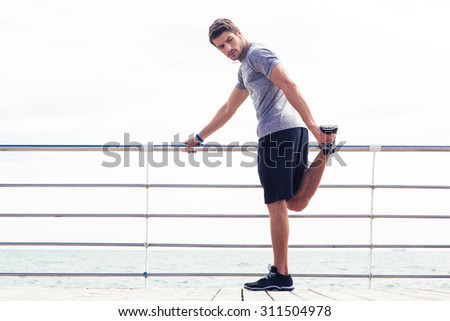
(277, 208)
(297, 205)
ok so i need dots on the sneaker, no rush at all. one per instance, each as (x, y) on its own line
(272, 281)
(329, 149)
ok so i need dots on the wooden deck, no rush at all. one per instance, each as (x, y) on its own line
(225, 294)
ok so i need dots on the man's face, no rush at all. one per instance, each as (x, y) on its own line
(231, 44)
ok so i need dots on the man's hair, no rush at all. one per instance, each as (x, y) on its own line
(220, 26)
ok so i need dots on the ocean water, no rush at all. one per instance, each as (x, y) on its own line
(301, 261)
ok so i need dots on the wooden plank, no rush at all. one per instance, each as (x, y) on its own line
(256, 296)
(99, 294)
(440, 291)
(204, 294)
(229, 294)
(435, 295)
(226, 294)
(378, 295)
(445, 291)
(310, 295)
(339, 295)
(168, 294)
(283, 296)
(421, 294)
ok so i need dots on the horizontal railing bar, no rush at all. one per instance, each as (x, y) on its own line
(302, 275)
(410, 276)
(409, 216)
(67, 215)
(214, 147)
(68, 148)
(95, 244)
(95, 185)
(234, 246)
(411, 246)
(398, 186)
(70, 274)
(311, 216)
(218, 274)
(112, 185)
(303, 246)
(221, 216)
(228, 216)
(312, 146)
(204, 185)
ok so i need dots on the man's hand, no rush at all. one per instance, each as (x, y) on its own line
(324, 138)
(191, 142)
(327, 138)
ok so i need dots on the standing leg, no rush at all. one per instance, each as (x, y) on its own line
(279, 231)
(278, 277)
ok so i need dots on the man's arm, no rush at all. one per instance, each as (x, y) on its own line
(281, 79)
(223, 115)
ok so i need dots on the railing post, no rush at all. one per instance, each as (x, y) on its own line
(374, 149)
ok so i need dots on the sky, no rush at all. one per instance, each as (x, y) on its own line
(87, 72)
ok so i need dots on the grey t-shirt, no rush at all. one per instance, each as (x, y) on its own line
(273, 111)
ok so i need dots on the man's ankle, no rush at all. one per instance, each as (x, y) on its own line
(282, 271)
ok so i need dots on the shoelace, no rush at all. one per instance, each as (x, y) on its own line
(270, 274)
(328, 149)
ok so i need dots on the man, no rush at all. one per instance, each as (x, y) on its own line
(282, 115)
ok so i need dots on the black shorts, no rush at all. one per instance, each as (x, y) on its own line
(282, 160)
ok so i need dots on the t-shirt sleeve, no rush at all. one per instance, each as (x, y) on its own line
(263, 60)
(240, 82)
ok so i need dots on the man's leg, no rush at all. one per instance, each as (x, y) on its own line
(310, 180)
(278, 277)
(309, 184)
(279, 230)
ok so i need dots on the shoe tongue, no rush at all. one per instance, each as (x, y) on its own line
(273, 269)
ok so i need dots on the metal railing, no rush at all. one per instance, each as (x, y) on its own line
(374, 149)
